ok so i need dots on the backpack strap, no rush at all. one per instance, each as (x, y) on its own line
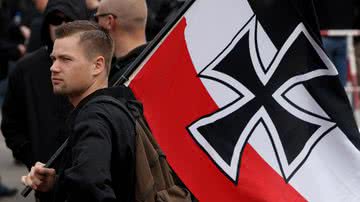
(134, 110)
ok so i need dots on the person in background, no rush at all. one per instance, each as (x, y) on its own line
(13, 35)
(32, 116)
(34, 42)
(92, 5)
(159, 13)
(126, 21)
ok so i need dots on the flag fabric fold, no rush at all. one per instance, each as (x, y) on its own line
(247, 106)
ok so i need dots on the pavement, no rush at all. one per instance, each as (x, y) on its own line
(10, 174)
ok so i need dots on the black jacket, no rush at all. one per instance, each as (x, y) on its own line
(32, 114)
(99, 161)
(35, 36)
(120, 65)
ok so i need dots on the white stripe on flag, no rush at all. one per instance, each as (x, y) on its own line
(332, 171)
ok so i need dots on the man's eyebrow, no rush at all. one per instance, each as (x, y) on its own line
(64, 56)
(60, 56)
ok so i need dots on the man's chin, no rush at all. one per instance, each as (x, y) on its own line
(57, 91)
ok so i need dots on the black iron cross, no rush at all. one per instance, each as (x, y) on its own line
(292, 129)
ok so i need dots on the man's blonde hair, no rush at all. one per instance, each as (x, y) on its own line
(94, 39)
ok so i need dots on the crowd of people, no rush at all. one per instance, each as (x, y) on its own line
(39, 104)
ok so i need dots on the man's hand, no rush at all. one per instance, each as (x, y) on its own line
(25, 31)
(22, 49)
(40, 178)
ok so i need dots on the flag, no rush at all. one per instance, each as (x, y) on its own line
(247, 106)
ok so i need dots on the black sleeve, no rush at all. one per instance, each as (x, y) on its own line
(35, 36)
(9, 50)
(14, 124)
(89, 177)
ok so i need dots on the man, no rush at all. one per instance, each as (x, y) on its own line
(159, 13)
(92, 4)
(98, 163)
(34, 42)
(32, 115)
(126, 21)
(92, 7)
(11, 42)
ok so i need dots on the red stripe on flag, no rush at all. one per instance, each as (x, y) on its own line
(173, 98)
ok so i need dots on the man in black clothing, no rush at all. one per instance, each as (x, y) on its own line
(159, 13)
(34, 42)
(32, 116)
(11, 48)
(98, 164)
(126, 21)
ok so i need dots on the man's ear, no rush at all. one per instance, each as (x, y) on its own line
(99, 65)
(111, 22)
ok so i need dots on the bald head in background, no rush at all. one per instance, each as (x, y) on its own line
(92, 4)
(126, 21)
(40, 5)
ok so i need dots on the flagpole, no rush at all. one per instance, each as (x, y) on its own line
(134, 67)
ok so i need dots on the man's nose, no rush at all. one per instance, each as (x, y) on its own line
(54, 67)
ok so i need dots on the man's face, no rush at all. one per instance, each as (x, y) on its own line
(40, 5)
(71, 70)
(101, 17)
(92, 4)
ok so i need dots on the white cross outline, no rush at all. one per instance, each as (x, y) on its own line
(287, 169)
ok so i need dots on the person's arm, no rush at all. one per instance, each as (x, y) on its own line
(10, 50)
(14, 124)
(89, 177)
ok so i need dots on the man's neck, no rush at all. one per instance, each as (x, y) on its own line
(76, 99)
(123, 44)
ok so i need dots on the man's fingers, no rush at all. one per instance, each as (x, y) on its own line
(39, 177)
(26, 180)
(35, 180)
(29, 182)
(44, 172)
(39, 173)
(39, 164)
(23, 180)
